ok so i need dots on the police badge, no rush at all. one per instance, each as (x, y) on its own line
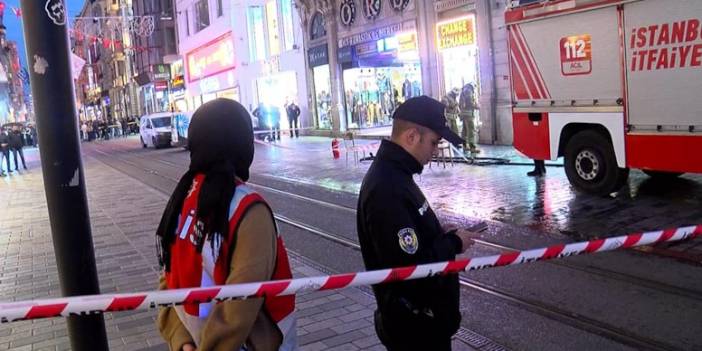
(408, 240)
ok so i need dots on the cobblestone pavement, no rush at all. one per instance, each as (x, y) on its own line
(503, 192)
(124, 216)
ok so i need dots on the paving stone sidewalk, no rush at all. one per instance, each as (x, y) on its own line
(124, 215)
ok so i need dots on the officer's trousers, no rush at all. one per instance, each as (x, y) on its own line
(410, 341)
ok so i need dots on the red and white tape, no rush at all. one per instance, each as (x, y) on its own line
(92, 304)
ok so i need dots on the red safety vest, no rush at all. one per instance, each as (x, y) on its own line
(211, 267)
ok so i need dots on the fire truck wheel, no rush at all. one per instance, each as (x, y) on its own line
(662, 174)
(591, 165)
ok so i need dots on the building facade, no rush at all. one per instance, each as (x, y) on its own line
(365, 58)
(153, 53)
(12, 98)
(249, 51)
(88, 90)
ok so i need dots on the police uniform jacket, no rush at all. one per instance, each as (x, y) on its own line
(396, 227)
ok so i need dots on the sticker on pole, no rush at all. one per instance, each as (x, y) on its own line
(576, 55)
(56, 11)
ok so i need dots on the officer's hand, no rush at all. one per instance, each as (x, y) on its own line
(467, 238)
(189, 347)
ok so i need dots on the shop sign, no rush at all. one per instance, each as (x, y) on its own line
(210, 84)
(367, 49)
(375, 34)
(346, 54)
(443, 5)
(455, 33)
(212, 58)
(178, 82)
(407, 42)
(161, 71)
(161, 85)
(318, 55)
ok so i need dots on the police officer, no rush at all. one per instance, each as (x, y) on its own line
(397, 227)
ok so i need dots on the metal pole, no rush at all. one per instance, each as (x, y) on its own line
(64, 182)
(335, 73)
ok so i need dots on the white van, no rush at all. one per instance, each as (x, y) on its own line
(155, 129)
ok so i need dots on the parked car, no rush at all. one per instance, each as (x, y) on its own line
(155, 129)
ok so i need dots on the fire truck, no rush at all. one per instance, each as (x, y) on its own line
(609, 85)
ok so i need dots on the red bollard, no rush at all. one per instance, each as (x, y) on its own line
(335, 148)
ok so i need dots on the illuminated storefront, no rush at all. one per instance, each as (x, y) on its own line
(278, 89)
(177, 88)
(381, 69)
(318, 58)
(458, 52)
(210, 72)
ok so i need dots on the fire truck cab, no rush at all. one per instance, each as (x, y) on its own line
(610, 85)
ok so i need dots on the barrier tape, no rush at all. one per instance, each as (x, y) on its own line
(95, 304)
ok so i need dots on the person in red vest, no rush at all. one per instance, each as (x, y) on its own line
(216, 230)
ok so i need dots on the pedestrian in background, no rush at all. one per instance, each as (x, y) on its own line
(33, 133)
(84, 131)
(397, 227)
(4, 151)
(216, 230)
(293, 112)
(16, 145)
(123, 124)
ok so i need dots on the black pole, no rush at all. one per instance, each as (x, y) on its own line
(47, 48)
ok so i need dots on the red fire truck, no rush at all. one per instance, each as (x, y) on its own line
(609, 85)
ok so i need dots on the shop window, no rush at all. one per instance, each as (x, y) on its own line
(148, 6)
(202, 15)
(257, 40)
(373, 93)
(318, 27)
(187, 23)
(277, 90)
(220, 9)
(273, 30)
(170, 46)
(167, 6)
(322, 89)
(286, 13)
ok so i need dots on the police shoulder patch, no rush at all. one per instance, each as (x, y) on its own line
(408, 240)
